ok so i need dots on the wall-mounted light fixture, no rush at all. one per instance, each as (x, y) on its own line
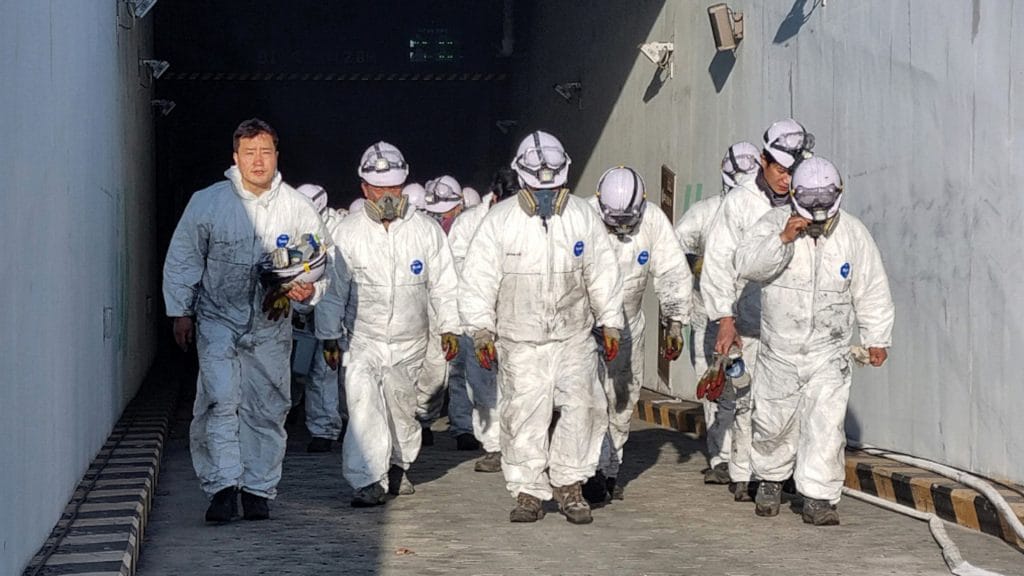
(726, 26)
(139, 8)
(660, 53)
(163, 106)
(156, 67)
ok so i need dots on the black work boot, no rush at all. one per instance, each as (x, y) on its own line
(491, 462)
(255, 507)
(528, 509)
(426, 436)
(614, 489)
(466, 442)
(595, 491)
(367, 496)
(398, 482)
(223, 505)
(319, 445)
(820, 513)
(717, 475)
(572, 505)
(768, 499)
(743, 491)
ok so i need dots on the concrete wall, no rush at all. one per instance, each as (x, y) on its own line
(917, 103)
(77, 164)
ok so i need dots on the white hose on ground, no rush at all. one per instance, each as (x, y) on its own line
(960, 476)
(950, 553)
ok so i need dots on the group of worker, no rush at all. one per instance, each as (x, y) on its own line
(525, 309)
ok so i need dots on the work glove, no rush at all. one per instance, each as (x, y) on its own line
(332, 354)
(611, 343)
(276, 304)
(712, 383)
(673, 340)
(483, 345)
(450, 345)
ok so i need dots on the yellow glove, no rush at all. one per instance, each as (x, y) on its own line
(450, 345)
(611, 343)
(483, 345)
(673, 341)
(276, 304)
(332, 354)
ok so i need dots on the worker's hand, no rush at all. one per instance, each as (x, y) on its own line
(483, 345)
(450, 345)
(794, 228)
(611, 343)
(673, 340)
(184, 332)
(276, 304)
(332, 354)
(878, 356)
(727, 336)
(301, 291)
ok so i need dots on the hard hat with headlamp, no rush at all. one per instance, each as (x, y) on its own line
(443, 194)
(541, 162)
(383, 165)
(316, 194)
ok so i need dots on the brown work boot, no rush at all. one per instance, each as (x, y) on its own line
(528, 509)
(491, 462)
(572, 505)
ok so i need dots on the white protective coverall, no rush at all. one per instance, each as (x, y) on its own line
(812, 290)
(481, 384)
(692, 232)
(383, 282)
(651, 252)
(726, 295)
(325, 400)
(243, 393)
(540, 290)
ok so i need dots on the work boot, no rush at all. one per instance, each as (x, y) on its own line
(572, 505)
(768, 499)
(614, 489)
(717, 475)
(223, 505)
(254, 507)
(491, 462)
(528, 509)
(398, 482)
(367, 496)
(820, 513)
(595, 491)
(426, 436)
(743, 491)
(466, 442)
(319, 445)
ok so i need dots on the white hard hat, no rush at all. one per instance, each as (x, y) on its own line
(383, 165)
(541, 162)
(416, 194)
(356, 205)
(787, 141)
(316, 194)
(470, 197)
(621, 194)
(443, 194)
(740, 158)
(816, 189)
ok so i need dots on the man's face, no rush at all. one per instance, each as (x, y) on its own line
(374, 193)
(256, 159)
(776, 175)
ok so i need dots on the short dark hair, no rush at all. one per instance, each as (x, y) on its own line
(251, 128)
(505, 182)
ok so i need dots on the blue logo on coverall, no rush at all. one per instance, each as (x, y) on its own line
(844, 270)
(643, 257)
(578, 248)
(282, 240)
(417, 267)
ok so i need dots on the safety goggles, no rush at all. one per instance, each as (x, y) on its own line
(745, 163)
(623, 222)
(792, 142)
(382, 161)
(543, 162)
(817, 198)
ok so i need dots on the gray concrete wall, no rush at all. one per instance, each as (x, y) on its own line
(77, 211)
(917, 103)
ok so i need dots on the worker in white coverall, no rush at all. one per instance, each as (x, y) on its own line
(741, 161)
(822, 275)
(324, 400)
(734, 304)
(212, 291)
(646, 248)
(481, 384)
(389, 267)
(443, 203)
(538, 274)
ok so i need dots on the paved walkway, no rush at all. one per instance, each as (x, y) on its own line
(457, 523)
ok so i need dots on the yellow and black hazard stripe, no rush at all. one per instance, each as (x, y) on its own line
(334, 76)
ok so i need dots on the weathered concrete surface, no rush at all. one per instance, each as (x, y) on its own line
(457, 523)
